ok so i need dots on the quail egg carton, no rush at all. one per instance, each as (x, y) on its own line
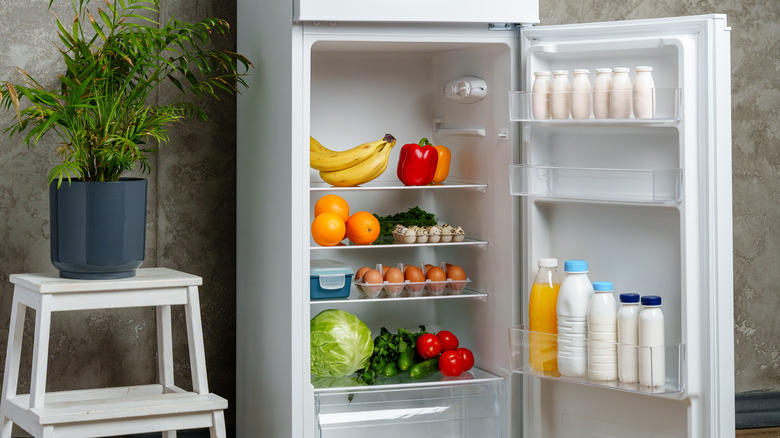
(433, 234)
(412, 289)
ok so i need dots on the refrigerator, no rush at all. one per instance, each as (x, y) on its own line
(647, 202)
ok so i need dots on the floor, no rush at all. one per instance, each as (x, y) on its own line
(769, 432)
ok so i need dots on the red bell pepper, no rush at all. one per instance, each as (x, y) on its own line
(417, 163)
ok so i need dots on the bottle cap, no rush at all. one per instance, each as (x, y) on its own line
(581, 71)
(651, 300)
(560, 72)
(629, 298)
(548, 263)
(644, 68)
(603, 70)
(602, 286)
(575, 266)
(621, 70)
(542, 73)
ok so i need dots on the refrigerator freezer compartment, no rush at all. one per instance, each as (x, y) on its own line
(470, 405)
(527, 347)
(667, 109)
(579, 183)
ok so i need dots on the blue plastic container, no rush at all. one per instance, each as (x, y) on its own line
(330, 279)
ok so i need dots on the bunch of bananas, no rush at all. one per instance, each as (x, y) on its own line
(352, 167)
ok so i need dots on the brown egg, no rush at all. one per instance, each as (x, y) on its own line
(384, 269)
(435, 274)
(414, 274)
(427, 267)
(456, 273)
(360, 272)
(394, 275)
(372, 276)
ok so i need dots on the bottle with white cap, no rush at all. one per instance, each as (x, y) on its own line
(560, 107)
(580, 94)
(644, 93)
(620, 96)
(628, 338)
(602, 86)
(602, 333)
(542, 320)
(572, 312)
(652, 360)
(540, 95)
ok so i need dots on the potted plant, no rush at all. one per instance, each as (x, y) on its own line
(115, 57)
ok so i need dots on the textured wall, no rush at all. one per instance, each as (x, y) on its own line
(192, 201)
(190, 224)
(755, 71)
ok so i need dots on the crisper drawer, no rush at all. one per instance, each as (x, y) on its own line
(462, 11)
(473, 410)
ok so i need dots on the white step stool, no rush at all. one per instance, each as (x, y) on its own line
(109, 411)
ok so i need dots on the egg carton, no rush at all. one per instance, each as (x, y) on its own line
(427, 237)
(412, 289)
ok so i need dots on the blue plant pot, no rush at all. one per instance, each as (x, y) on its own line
(98, 229)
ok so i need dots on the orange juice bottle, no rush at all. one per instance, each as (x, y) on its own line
(542, 319)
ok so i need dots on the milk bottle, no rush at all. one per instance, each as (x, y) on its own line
(572, 312)
(540, 95)
(580, 94)
(652, 369)
(602, 333)
(543, 347)
(602, 86)
(561, 90)
(620, 97)
(644, 93)
(628, 338)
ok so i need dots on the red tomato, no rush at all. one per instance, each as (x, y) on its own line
(451, 363)
(448, 340)
(428, 346)
(468, 358)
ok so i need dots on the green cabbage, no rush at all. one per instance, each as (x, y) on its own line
(340, 344)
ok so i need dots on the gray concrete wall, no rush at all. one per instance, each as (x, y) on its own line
(192, 202)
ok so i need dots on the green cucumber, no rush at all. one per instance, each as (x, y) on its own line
(390, 369)
(405, 359)
(424, 368)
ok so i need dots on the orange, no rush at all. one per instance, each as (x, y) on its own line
(332, 204)
(362, 228)
(328, 229)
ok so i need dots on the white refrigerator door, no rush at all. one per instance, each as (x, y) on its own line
(460, 11)
(679, 248)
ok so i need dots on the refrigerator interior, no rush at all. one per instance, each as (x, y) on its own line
(362, 87)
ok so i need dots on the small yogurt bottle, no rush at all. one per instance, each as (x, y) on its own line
(644, 93)
(602, 86)
(620, 97)
(540, 95)
(560, 106)
(580, 94)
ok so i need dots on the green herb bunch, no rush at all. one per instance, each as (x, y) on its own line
(393, 354)
(115, 58)
(413, 216)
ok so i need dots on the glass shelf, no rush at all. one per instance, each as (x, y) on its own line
(320, 186)
(344, 247)
(356, 296)
(403, 380)
(524, 343)
(579, 183)
(667, 104)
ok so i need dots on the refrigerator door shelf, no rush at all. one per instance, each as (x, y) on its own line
(471, 405)
(667, 110)
(320, 186)
(646, 186)
(523, 342)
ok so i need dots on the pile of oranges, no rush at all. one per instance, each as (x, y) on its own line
(332, 223)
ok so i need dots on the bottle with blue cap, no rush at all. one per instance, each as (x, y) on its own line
(572, 313)
(602, 333)
(652, 360)
(628, 338)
